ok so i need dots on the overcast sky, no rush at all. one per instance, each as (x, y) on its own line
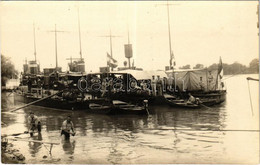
(201, 32)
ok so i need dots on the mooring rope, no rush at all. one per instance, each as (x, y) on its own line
(250, 98)
(10, 93)
(230, 76)
(209, 130)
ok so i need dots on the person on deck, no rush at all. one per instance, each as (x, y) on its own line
(33, 123)
(153, 82)
(159, 85)
(191, 100)
(170, 82)
(164, 84)
(210, 77)
(210, 81)
(29, 83)
(177, 91)
(66, 127)
(104, 85)
(201, 84)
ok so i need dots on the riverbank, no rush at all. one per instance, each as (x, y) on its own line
(9, 154)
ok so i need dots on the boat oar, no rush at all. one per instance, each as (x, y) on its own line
(205, 106)
(17, 134)
(147, 111)
(35, 101)
(201, 103)
(252, 110)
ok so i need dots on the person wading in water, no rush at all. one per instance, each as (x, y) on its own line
(33, 124)
(66, 127)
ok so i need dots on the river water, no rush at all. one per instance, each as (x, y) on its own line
(169, 135)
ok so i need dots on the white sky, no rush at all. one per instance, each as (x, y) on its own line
(201, 32)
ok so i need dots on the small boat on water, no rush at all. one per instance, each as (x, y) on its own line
(177, 102)
(99, 108)
(118, 107)
(205, 84)
(127, 108)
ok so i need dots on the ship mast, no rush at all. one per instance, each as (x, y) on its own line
(80, 50)
(169, 30)
(128, 44)
(79, 65)
(111, 50)
(56, 51)
(56, 45)
(34, 42)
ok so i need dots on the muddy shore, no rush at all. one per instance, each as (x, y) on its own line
(9, 154)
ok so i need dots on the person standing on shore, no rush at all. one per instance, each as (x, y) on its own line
(67, 127)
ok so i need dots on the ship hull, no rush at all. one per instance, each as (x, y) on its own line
(208, 98)
(53, 103)
(211, 98)
(80, 105)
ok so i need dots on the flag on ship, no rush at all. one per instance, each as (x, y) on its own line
(220, 68)
(111, 62)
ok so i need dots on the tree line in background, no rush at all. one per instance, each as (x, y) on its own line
(229, 69)
(7, 70)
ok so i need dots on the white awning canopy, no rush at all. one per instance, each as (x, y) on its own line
(143, 75)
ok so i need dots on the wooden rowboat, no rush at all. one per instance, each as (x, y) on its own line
(99, 108)
(176, 102)
(121, 107)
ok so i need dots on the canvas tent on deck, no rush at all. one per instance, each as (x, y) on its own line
(190, 79)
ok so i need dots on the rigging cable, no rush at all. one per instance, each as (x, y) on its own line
(250, 98)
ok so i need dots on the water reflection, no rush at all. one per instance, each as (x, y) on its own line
(190, 119)
(7, 99)
(68, 146)
(35, 147)
(163, 116)
(114, 155)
